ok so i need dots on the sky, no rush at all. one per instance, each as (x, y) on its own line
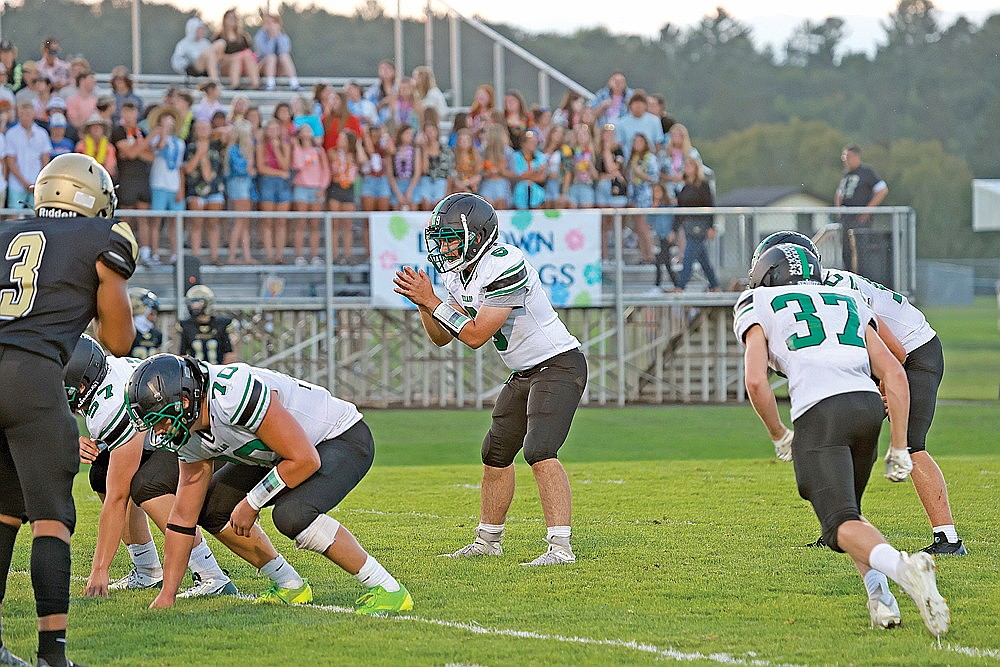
(772, 22)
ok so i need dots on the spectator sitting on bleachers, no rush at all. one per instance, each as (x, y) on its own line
(459, 122)
(638, 121)
(61, 144)
(611, 102)
(541, 122)
(428, 93)
(95, 143)
(52, 66)
(210, 102)
(82, 105)
(123, 90)
(8, 57)
(273, 47)
(405, 105)
(194, 55)
(233, 47)
(106, 109)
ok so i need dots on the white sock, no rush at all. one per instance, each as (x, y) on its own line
(270, 82)
(876, 584)
(492, 528)
(949, 531)
(282, 573)
(886, 558)
(203, 563)
(293, 82)
(558, 531)
(145, 558)
(372, 574)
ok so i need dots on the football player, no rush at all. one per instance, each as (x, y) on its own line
(124, 465)
(145, 310)
(204, 335)
(495, 294)
(58, 271)
(287, 443)
(824, 340)
(905, 330)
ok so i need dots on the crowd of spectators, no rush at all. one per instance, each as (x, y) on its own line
(374, 148)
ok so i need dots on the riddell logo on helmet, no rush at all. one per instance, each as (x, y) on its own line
(46, 212)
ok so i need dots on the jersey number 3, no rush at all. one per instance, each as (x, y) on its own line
(27, 248)
(851, 335)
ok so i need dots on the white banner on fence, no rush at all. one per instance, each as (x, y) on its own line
(563, 246)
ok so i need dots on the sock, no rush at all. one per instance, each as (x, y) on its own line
(145, 558)
(558, 535)
(144, 252)
(8, 534)
(493, 532)
(372, 574)
(202, 562)
(281, 573)
(885, 558)
(270, 82)
(293, 82)
(949, 531)
(52, 647)
(876, 584)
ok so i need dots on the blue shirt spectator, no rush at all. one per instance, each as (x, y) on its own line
(611, 102)
(638, 121)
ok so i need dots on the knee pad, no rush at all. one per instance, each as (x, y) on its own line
(319, 535)
(218, 507)
(493, 455)
(535, 455)
(50, 568)
(148, 487)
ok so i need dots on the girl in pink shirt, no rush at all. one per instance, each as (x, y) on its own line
(312, 176)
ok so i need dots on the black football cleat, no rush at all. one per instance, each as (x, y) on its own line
(69, 663)
(942, 547)
(819, 543)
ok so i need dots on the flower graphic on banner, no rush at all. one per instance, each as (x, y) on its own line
(552, 213)
(521, 220)
(559, 294)
(592, 273)
(582, 300)
(575, 239)
(398, 227)
(388, 260)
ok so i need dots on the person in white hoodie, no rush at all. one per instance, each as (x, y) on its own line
(193, 55)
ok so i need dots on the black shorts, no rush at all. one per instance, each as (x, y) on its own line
(924, 369)
(535, 409)
(834, 449)
(338, 193)
(156, 477)
(132, 191)
(39, 450)
(344, 461)
(191, 71)
(99, 470)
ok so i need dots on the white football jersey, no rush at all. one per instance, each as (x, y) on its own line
(106, 418)
(815, 337)
(904, 320)
(238, 398)
(503, 278)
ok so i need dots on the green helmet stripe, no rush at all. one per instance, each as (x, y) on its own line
(806, 269)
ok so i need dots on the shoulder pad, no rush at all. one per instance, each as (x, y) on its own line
(122, 252)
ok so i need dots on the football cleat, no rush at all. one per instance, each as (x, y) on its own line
(884, 610)
(380, 601)
(942, 547)
(275, 594)
(916, 576)
(43, 663)
(482, 546)
(556, 554)
(8, 658)
(136, 580)
(820, 543)
(204, 587)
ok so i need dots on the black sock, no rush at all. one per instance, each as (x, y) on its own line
(52, 647)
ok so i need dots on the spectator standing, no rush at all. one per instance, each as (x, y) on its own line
(515, 113)
(309, 185)
(241, 171)
(428, 93)
(106, 109)
(360, 107)
(302, 115)
(337, 117)
(404, 169)
(495, 185)
(643, 171)
(61, 144)
(698, 229)
(273, 48)
(459, 122)
(211, 101)
(375, 190)
(663, 227)
(438, 165)
(8, 58)
(345, 160)
(77, 66)
(673, 156)
(612, 177)
(95, 143)
(570, 111)
(83, 104)
(530, 170)
(859, 186)
(204, 187)
(468, 163)
(4, 116)
(28, 149)
(135, 158)
(274, 161)
(657, 105)
(557, 154)
(611, 102)
(194, 55)
(382, 92)
(238, 108)
(58, 105)
(483, 105)
(232, 47)
(29, 73)
(581, 173)
(6, 93)
(52, 66)
(638, 121)
(166, 184)
(43, 96)
(123, 90)
(405, 106)
(182, 100)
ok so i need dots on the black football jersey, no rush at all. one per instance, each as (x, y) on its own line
(146, 344)
(208, 342)
(48, 278)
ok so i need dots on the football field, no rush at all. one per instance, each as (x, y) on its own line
(688, 534)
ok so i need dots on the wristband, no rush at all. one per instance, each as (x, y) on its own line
(183, 530)
(266, 489)
(452, 320)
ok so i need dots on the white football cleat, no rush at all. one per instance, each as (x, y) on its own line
(479, 547)
(916, 576)
(207, 586)
(555, 555)
(884, 611)
(136, 580)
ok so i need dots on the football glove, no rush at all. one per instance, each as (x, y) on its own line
(783, 445)
(898, 464)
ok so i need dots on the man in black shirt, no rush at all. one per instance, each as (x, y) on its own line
(63, 268)
(135, 159)
(145, 310)
(205, 336)
(859, 186)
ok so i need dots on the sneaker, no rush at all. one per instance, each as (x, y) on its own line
(480, 547)
(884, 610)
(8, 658)
(209, 587)
(819, 543)
(136, 580)
(942, 547)
(916, 576)
(317, 261)
(154, 260)
(654, 291)
(275, 594)
(555, 555)
(380, 601)
(301, 261)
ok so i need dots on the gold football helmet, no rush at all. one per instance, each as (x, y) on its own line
(142, 300)
(76, 182)
(200, 300)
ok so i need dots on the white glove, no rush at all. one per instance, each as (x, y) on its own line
(783, 445)
(898, 464)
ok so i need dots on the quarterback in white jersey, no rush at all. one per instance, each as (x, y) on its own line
(495, 294)
(824, 339)
(288, 444)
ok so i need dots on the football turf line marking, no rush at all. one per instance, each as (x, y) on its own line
(669, 653)
(974, 652)
(469, 517)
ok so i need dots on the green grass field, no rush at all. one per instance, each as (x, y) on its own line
(687, 531)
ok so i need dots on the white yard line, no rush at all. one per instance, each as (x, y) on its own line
(973, 652)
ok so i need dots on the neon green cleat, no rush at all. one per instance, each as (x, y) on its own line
(275, 594)
(380, 601)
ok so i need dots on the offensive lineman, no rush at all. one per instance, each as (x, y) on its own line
(63, 268)
(823, 339)
(288, 443)
(906, 332)
(494, 293)
(95, 387)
